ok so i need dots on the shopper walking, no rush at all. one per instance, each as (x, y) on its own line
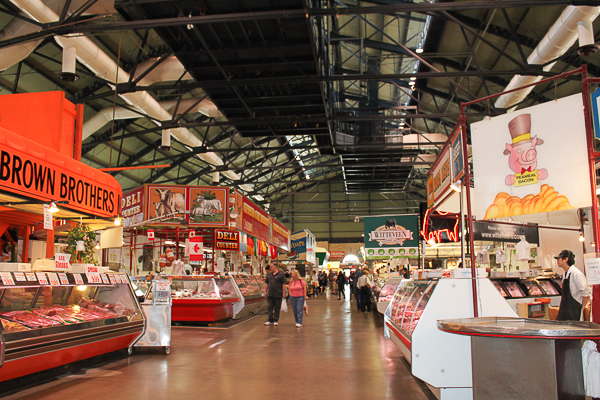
(341, 282)
(364, 285)
(297, 288)
(275, 292)
(356, 290)
(332, 278)
(575, 290)
(314, 282)
(323, 282)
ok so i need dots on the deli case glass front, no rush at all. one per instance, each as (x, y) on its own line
(204, 298)
(524, 290)
(254, 296)
(50, 319)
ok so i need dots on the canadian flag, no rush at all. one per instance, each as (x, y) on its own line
(150, 235)
(196, 248)
(192, 234)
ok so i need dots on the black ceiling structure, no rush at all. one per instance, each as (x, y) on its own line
(329, 101)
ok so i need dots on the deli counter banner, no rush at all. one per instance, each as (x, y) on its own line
(532, 160)
(393, 236)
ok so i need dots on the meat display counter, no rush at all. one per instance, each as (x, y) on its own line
(204, 298)
(386, 293)
(49, 319)
(524, 290)
(440, 359)
(254, 297)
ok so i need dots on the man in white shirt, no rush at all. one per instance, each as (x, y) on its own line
(575, 290)
(363, 285)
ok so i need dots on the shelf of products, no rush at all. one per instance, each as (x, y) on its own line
(50, 319)
(517, 290)
(386, 294)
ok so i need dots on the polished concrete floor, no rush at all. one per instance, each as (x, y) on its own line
(339, 353)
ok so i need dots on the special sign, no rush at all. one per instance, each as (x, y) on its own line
(29, 169)
(227, 240)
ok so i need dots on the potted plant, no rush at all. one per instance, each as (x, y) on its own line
(81, 233)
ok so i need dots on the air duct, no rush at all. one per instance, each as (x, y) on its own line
(69, 65)
(103, 66)
(557, 41)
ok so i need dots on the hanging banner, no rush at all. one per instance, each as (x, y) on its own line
(196, 248)
(48, 223)
(336, 255)
(391, 236)
(456, 151)
(150, 234)
(439, 177)
(132, 207)
(280, 235)
(227, 240)
(255, 221)
(491, 231)
(532, 160)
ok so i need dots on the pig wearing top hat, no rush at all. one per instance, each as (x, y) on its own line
(522, 156)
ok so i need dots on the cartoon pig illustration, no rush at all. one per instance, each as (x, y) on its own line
(522, 155)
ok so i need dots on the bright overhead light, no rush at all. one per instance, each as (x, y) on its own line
(431, 242)
(413, 78)
(117, 221)
(53, 208)
(457, 186)
(581, 238)
(97, 246)
(419, 50)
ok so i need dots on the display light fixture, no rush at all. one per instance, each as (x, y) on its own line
(431, 242)
(117, 221)
(419, 50)
(53, 208)
(97, 246)
(457, 186)
(581, 237)
(356, 219)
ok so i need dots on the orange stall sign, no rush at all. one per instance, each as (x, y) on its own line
(31, 170)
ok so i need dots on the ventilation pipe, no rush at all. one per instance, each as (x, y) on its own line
(10, 56)
(166, 140)
(68, 65)
(585, 30)
(106, 115)
(557, 41)
(103, 66)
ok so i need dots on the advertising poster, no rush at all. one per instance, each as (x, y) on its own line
(207, 205)
(456, 150)
(394, 236)
(280, 235)
(132, 206)
(255, 222)
(531, 161)
(168, 202)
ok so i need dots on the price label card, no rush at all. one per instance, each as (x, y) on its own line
(78, 279)
(163, 286)
(30, 276)
(104, 279)
(113, 280)
(63, 279)
(20, 277)
(42, 278)
(7, 278)
(53, 279)
(93, 277)
(61, 261)
(124, 279)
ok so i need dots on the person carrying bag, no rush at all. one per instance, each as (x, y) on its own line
(298, 297)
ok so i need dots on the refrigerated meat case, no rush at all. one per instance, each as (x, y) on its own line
(255, 300)
(440, 359)
(207, 298)
(525, 290)
(386, 293)
(50, 319)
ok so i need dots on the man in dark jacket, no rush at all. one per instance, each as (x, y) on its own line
(275, 293)
(356, 289)
(341, 281)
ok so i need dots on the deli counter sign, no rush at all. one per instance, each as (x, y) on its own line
(395, 236)
(227, 240)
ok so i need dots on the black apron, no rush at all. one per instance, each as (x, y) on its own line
(570, 309)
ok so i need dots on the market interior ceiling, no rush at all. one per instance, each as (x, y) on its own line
(345, 102)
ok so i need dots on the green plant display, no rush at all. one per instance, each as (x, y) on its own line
(84, 233)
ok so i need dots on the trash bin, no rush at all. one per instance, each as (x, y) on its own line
(520, 358)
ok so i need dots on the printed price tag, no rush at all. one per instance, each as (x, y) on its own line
(53, 279)
(61, 261)
(78, 279)
(30, 276)
(124, 279)
(163, 286)
(7, 278)
(63, 279)
(20, 277)
(104, 279)
(42, 278)
(112, 279)
(93, 277)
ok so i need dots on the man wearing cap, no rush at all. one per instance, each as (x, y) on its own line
(575, 290)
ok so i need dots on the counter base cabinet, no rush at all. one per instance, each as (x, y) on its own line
(441, 359)
(201, 311)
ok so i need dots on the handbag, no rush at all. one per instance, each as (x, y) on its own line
(305, 307)
(284, 306)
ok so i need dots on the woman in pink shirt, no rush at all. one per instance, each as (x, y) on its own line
(297, 290)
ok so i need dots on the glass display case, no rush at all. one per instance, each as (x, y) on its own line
(533, 288)
(386, 293)
(514, 289)
(204, 298)
(500, 288)
(254, 291)
(519, 290)
(248, 286)
(46, 316)
(408, 305)
(549, 287)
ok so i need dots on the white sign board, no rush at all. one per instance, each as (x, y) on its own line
(61, 261)
(532, 160)
(592, 270)
(48, 218)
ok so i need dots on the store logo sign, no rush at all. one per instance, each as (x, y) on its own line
(390, 234)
